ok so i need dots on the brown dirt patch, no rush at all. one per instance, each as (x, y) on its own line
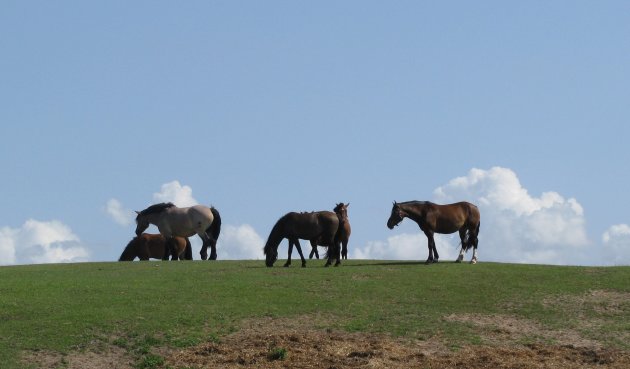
(111, 358)
(308, 346)
(313, 348)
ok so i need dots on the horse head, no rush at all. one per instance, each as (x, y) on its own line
(271, 257)
(396, 216)
(342, 210)
(142, 223)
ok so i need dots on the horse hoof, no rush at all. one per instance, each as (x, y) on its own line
(337, 264)
(473, 261)
(435, 261)
(303, 265)
(428, 262)
(287, 265)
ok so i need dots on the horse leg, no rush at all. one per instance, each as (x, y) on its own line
(344, 249)
(288, 263)
(313, 250)
(475, 242)
(213, 249)
(173, 248)
(462, 237)
(431, 246)
(299, 249)
(436, 257)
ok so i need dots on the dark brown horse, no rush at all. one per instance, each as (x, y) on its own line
(343, 232)
(154, 246)
(320, 226)
(432, 218)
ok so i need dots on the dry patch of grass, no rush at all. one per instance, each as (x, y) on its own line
(110, 358)
(270, 343)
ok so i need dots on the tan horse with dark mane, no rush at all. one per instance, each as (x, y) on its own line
(173, 221)
(153, 246)
(432, 218)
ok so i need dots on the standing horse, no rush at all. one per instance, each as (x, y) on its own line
(320, 226)
(153, 246)
(173, 221)
(462, 216)
(343, 232)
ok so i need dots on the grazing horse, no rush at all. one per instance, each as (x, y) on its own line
(462, 216)
(173, 221)
(154, 246)
(343, 232)
(320, 226)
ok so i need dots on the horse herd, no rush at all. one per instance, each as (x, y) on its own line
(330, 229)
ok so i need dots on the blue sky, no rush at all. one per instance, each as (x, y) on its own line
(260, 108)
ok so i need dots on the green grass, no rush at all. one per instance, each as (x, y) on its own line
(140, 305)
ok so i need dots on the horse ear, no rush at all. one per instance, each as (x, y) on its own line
(348, 204)
(137, 212)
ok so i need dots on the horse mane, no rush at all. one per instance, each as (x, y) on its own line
(155, 209)
(275, 237)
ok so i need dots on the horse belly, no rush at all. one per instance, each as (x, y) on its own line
(447, 226)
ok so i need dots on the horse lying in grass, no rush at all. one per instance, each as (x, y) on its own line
(154, 246)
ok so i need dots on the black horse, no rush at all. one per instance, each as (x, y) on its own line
(432, 218)
(319, 226)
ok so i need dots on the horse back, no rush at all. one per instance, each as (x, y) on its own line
(312, 225)
(186, 222)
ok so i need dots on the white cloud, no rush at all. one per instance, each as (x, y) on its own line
(120, 215)
(240, 242)
(616, 245)
(40, 242)
(405, 246)
(176, 193)
(515, 226)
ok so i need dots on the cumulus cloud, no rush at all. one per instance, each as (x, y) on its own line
(240, 242)
(120, 215)
(616, 244)
(515, 225)
(405, 246)
(176, 193)
(40, 242)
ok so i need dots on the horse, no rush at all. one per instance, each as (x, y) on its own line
(173, 221)
(320, 226)
(154, 246)
(343, 232)
(432, 218)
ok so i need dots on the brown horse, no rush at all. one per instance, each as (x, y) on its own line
(462, 216)
(155, 246)
(343, 232)
(320, 226)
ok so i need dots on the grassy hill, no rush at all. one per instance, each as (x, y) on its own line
(139, 307)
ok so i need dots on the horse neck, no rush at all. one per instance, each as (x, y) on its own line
(275, 237)
(414, 212)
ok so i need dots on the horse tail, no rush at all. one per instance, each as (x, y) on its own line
(188, 250)
(215, 228)
(470, 239)
(128, 253)
(275, 237)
